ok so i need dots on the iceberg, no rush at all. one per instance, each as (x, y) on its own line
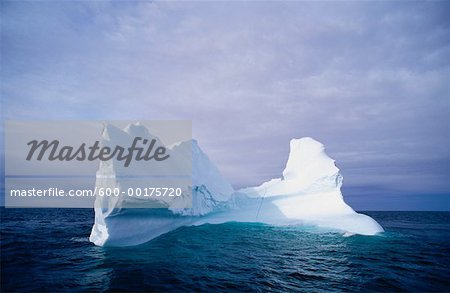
(307, 193)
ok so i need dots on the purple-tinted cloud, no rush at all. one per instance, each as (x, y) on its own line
(370, 80)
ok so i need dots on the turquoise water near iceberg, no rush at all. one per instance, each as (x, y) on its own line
(48, 250)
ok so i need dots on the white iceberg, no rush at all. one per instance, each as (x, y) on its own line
(308, 193)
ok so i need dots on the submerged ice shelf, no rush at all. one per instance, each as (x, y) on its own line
(307, 193)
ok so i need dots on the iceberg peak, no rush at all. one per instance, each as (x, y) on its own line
(307, 159)
(308, 169)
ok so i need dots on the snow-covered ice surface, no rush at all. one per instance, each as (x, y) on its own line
(308, 193)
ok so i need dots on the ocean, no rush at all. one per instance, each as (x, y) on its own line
(49, 250)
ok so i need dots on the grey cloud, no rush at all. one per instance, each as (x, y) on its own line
(369, 79)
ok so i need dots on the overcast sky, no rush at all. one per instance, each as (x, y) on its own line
(368, 79)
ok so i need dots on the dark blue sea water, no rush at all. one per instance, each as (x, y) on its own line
(48, 250)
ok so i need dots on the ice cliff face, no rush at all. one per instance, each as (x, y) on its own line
(307, 193)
